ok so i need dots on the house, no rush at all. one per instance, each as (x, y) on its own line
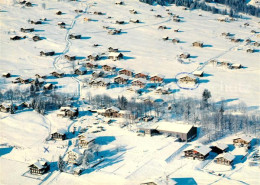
(40, 76)
(236, 66)
(50, 53)
(225, 34)
(140, 82)
(6, 107)
(40, 167)
(197, 44)
(36, 38)
(27, 30)
(48, 86)
(219, 148)
(109, 67)
(28, 4)
(127, 72)
(158, 78)
(58, 13)
(121, 79)
(165, 38)
(70, 58)
(249, 50)
(143, 75)
(175, 40)
(22, 81)
(257, 44)
(99, 82)
(135, 20)
(93, 57)
(244, 141)
(98, 13)
(57, 75)
(162, 90)
(184, 55)
(176, 20)
(162, 27)
(60, 134)
(74, 36)
(119, 3)
(17, 37)
(68, 112)
(200, 153)
(6, 75)
(80, 70)
(91, 65)
(115, 56)
(35, 22)
(120, 22)
(224, 64)
(159, 181)
(133, 11)
(188, 79)
(78, 11)
(97, 74)
(110, 49)
(225, 158)
(114, 112)
(86, 140)
(235, 40)
(176, 30)
(61, 23)
(75, 156)
(198, 73)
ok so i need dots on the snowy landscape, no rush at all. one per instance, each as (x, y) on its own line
(107, 92)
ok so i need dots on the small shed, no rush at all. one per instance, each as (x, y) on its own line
(236, 66)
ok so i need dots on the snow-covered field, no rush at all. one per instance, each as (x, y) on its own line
(129, 159)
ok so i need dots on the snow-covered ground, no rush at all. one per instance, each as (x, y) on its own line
(129, 159)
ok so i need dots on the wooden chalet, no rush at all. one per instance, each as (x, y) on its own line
(257, 44)
(74, 36)
(93, 57)
(143, 75)
(176, 20)
(200, 153)
(162, 90)
(70, 58)
(80, 70)
(110, 49)
(225, 159)
(57, 75)
(127, 72)
(27, 30)
(50, 53)
(162, 27)
(40, 76)
(40, 167)
(119, 2)
(198, 73)
(115, 56)
(219, 148)
(75, 156)
(6, 75)
(175, 40)
(244, 141)
(17, 37)
(59, 135)
(133, 11)
(140, 82)
(86, 140)
(48, 86)
(188, 79)
(59, 13)
(135, 20)
(158, 78)
(97, 74)
(197, 44)
(91, 65)
(249, 50)
(6, 107)
(22, 80)
(68, 112)
(109, 67)
(100, 82)
(235, 40)
(236, 66)
(121, 79)
(36, 38)
(184, 55)
(114, 32)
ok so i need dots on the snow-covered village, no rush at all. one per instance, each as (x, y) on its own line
(132, 92)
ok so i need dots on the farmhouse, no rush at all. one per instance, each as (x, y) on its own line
(109, 67)
(121, 79)
(115, 56)
(114, 112)
(93, 57)
(158, 78)
(27, 30)
(200, 153)
(140, 82)
(184, 55)
(60, 134)
(6, 75)
(143, 75)
(6, 107)
(50, 53)
(127, 72)
(188, 79)
(40, 167)
(198, 73)
(75, 156)
(74, 36)
(80, 70)
(219, 148)
(99, 82)
(244, 141)
(57, 75)
(197, 44)
(91, 65)
(225, 158)
(48, 86)
(70, 58)
(86, 140)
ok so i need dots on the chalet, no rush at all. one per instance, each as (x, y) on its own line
(73, 36)
(36, 38)
(110, 49)
(6, 75)
(119, 3)
(27, 30)
(162, 27)
(250, 50)
(140, 82)
(235, 40)
(197, 44)
(91, 65)
(143, 75)
(176, 30)
(147, 118)
(115, 56)
(188, 79)
(183, 132)
(248, 41)
(200, 153)
(61, 23)
(224, 64)
(158, 78)
(50, 53)
(114, 112)
(198, 73)
(162, 90)
(135, 20)
(165, 38)
(86, 140)
(4, 107)
(87, 19)
(40, 76)
(127, 72)
(97, 74)
(225, 158)
(17, 37)
(225, 34)
(121, 79)
(94, 57)
(80, 70)
(75, 156)
(58, 13)
(114, 32)
(184, 55)
(98, 13)
(35, 22)
(120, 22)
(60, 134)
(40, 167)
(219, 148)
(48, 86)
(236, 66)
(57, 75)
(28, 4)
(70, 58)
(175, 40)
(109, 67)
(78, 11)
(244, 141)
(257, 44)
(22, 81)
(100, 82)
(68, 112)
(176, 20)
(158, 16)
(133, 11)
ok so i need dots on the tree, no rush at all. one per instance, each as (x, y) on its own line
(205, 96)
(61, 164)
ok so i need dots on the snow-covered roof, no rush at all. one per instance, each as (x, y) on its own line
(198, 72)
(159, 75)
(236, 65)
(110, 65)
(77, 151)
(81, 68)
(123, 76)
(40, 163)
(143, 72)
(247, 138)
(173, 127)
(114, 108)
(227, 156)
(127, 69)
(87, 137)
(114, 54)
(204, 150)
(221, 146)
(60, 131)
(141, 80)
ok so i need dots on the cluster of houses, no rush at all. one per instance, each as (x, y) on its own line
(226, 65)
(224, 157)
